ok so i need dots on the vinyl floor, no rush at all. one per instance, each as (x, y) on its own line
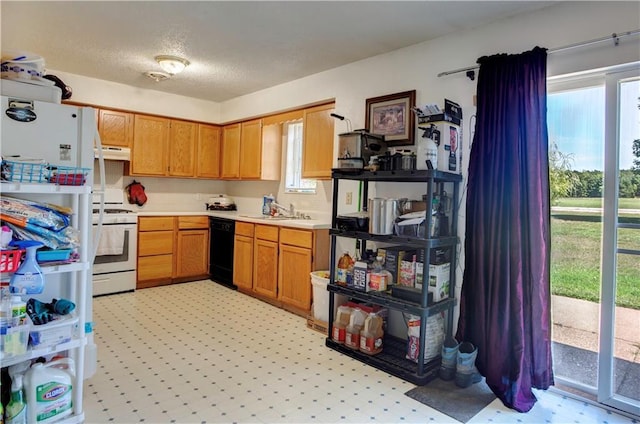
(202, 353)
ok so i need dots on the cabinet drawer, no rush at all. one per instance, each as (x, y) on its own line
(155, 243)
(244, 229)
(155, 267)
(193, 222)
(301, 238)
(155, 223)
(267, 232)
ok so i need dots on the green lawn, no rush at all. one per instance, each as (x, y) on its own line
(596, 202)
(575, 259)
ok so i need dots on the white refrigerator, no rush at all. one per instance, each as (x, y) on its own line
(63, 136)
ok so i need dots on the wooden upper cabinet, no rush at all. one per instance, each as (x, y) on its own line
(182, 148)
(271, 152)
(208, 151)
(230, 152)
(317, 150)
(251, 150)
(115, 128)
(150, 146)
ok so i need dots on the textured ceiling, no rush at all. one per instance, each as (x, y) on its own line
(235, 47)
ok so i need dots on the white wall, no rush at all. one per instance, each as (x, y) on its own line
(415, 67)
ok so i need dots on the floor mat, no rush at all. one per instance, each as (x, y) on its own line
(446, 397)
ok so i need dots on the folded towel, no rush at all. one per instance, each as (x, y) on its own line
(111, 240)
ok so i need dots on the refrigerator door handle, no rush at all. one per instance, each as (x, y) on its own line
(98, 232)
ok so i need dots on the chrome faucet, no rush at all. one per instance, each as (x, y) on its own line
(288, 212)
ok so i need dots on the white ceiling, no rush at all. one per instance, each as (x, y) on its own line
(235, 47)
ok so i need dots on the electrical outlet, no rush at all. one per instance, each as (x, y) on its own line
(198, 196)
(349, 199)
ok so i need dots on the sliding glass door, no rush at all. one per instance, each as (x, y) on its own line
(594, 133)
(619, 364)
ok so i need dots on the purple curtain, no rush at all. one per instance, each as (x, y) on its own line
(505, 303)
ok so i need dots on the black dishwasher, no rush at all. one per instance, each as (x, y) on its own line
(221, 234)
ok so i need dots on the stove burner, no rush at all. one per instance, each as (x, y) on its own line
(221, 207)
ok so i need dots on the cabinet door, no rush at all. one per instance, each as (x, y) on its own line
(317, 147)
(116, 128)
(271, 152)
(243, 262)
(192, 254)
(149, 152)
(251, 149)
(155, 243)
(230, 152)
(182, 148)
(294, 285)
(208, 152)
(157, 268)
(265, 268)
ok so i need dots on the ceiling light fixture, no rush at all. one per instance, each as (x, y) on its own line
(172, 64)
(157, 76)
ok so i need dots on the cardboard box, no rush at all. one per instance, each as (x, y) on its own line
(392, 259)
(439, 277)
(407, 271)
(360, 279)
(452, 113)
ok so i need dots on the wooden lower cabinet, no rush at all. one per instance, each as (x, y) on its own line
(294, 279)
(301, 251)
(281, 261)
(243, 256)
(172, 249)
(265, 261)
(192, 257)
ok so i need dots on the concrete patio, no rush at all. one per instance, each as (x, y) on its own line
(575, 347)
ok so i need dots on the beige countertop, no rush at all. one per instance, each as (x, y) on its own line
(308, 224)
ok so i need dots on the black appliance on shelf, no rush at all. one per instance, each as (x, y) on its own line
(221, 235)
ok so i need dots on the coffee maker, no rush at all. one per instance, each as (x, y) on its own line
(357, 147)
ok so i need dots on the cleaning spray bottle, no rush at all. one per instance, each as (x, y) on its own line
(28, 279)
(16, 412)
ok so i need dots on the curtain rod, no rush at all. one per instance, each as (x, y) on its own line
(470, 70)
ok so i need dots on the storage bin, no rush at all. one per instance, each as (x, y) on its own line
(55, 332)
(53, 255)
(319, 281)
(24, 172)
(36, 172)
(10, 260)
(14, 340)
(65, 175)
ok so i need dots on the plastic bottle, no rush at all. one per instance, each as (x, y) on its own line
(16, 408)
(18, 311)
(28, 278)
(49, 391)
(352, 332)
(427, 150)
(372, 334)
(1, 407)
(342, 274)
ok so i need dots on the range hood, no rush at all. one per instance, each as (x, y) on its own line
(113, 153)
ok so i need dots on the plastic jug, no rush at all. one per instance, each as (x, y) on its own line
(49, 391)
(371, 335)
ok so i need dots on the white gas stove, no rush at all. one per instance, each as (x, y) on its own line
(115, 211)
(114, 267)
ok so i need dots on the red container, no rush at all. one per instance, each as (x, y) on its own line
(10, 260)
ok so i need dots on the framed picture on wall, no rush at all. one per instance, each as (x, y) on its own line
(392, 116)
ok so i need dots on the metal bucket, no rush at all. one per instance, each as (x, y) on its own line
(376, 208)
